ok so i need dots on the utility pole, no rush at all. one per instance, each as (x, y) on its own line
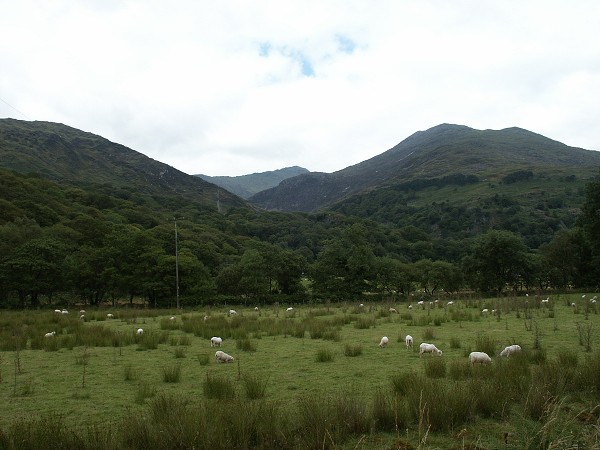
(176, 264)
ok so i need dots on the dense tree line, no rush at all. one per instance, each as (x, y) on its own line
(61, 243)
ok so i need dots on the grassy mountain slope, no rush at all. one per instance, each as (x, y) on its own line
(65, 154)
(440, 151)
(247, 185)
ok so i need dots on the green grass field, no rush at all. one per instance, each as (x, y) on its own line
(99, 373)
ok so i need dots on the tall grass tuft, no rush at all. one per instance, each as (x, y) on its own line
(255, 386)
(435, 367)
(144, 391)
(324, 355)
(203, 359)
(218, 388)
(245, 345)
(172, 374)
(428, 334)
(484, 343)
(353, 350)
(364, 323)
(129, 373)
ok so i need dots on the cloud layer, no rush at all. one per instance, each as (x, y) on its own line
(235, 87)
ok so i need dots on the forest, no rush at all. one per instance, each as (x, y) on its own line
(62, 243)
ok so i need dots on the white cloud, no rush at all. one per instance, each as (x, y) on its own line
(228, 88)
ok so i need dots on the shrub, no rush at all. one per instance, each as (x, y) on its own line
(364, 323)
(454, 342)
(459, 369)
(245, 345)
(203, 359)
(254, 386)
(435, 367)
(144, 391)
(179, 352)
(428, 334)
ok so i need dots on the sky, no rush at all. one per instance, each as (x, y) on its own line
(235, 87)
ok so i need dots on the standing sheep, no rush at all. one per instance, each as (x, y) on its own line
(223, 357)
(139, 331)
(479, 358)
(215, 341)
(51, 334)
(429, 348)
(408, 340)
(384, 341)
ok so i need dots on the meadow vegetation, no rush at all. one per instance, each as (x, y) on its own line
(314, 379)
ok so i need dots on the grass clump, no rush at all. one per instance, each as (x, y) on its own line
(172, 374)
(203, 359)
(218, 388)
(255, 386)
(245, 345)
(353, 350)
(435, 367)
(324, 355)
(144, 391)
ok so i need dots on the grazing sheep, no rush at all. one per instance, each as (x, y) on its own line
(573, 305)
(82, 311)
(421, 304)
(64, 311)
(546, 300)
(429, 348)
(408, 340)
(409, 306)
(223, 357)
(215, 341)
(484, 311)
(479, 358)
(384, 341)
(205, 318)
(232, 312)
(290, 309)
(256, 308)
(82, 317)
(450, 303)
(51, 334)
(172, 318)
(110, 316)
(393, 310)
(139, 331)
(510, 350)
(58, 311)
(361, 305)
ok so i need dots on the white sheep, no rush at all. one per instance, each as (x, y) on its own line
(110, 316)
(546, 300)
(573, 305)
(64, 311)
(361, 305)
(256, 308)
(409, 306)
(215, 341)
(172, 318)
(484, 311)
(393, 310)
(450, 303)
(58, 311)
(82, 317)
(223, 357)
(290, 309)
(139, 331)
(232, 312)
(429, 348)
(51, 334)
(82, 311)
(479, 358)
(515, 348)
(384, 341)
(408, 340)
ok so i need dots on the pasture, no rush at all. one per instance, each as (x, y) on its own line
(313, 377)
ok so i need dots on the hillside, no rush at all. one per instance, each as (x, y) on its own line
(428, 155)
(247, 185)
(65, 154)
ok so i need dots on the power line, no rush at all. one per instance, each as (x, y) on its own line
(12, 107)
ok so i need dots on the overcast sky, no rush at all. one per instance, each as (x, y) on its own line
(236, 87)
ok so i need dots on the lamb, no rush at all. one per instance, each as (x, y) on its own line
(223, 357)
(139, 331)
(429, 348)
(384, 341)
(479, 358)
(51, 334)
(510, 350)
(408, 340)
(215, 341)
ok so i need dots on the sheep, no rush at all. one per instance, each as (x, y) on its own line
(384, 341)
(573, 305)
(450, 303)
(421, 304)
(479, 358)
(57, 311)
(408, 340)
(64, 311)
(82, 311)
(361, 305)
(484, 311)
(172, 318)
(515, 348)
(232, 312)
(409, 306)
(215, 341)
(82, 317)
(256, 308)
(546, 300)
(393, 310)
(223, 357)
(290, 309)
(51, 334)
(429, 348)
(139, 331)
(110, 316)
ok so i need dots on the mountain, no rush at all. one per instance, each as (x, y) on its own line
(65, 154)
(247, 185)
(426, 157)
